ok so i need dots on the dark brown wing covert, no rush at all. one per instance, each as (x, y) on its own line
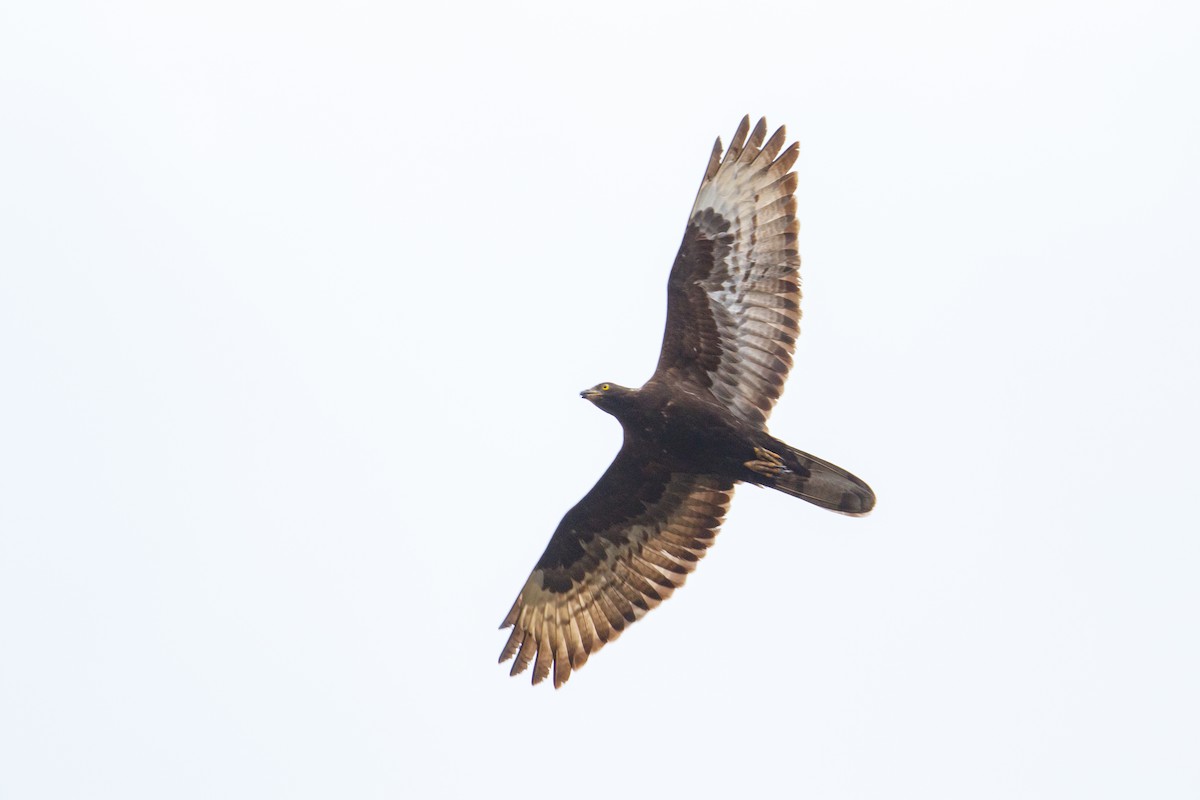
(622, 550)
(733, 299)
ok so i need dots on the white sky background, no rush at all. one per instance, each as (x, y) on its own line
(295, 303)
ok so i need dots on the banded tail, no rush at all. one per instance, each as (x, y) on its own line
(820, 483)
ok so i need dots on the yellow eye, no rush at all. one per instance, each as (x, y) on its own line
(604, 387)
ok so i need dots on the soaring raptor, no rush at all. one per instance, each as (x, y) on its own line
(695, 429)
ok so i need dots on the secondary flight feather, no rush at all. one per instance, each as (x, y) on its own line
(695, 429)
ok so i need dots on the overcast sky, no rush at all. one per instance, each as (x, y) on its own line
(296, 301)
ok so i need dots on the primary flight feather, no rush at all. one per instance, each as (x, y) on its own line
(695, 429)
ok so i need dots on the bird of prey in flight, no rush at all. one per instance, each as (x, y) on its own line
(695, 429)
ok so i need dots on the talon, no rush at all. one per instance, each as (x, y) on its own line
(768, 463)
(767, 455)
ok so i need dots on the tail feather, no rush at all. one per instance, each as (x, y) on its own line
(823, 484)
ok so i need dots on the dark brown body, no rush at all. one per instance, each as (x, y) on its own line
(695, 429)
(688, 432)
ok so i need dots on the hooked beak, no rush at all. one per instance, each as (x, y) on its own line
(589, 394)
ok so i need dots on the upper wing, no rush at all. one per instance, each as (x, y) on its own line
(622, 550)
(733, 300)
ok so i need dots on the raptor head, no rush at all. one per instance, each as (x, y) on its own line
(607, 396)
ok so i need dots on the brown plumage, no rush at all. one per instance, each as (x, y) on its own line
(695, 429)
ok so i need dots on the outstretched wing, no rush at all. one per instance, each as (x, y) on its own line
(733, 300)
(622, 550)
